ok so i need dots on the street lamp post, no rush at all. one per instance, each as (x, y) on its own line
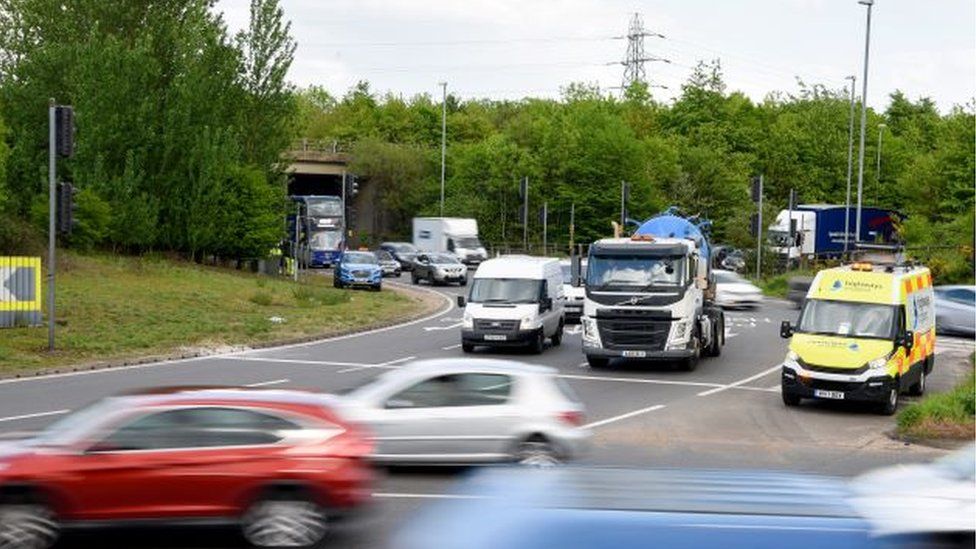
(877, 191)
(864, 118)
(443, 139)
(850, 167)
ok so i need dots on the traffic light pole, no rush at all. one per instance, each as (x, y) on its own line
(52, 175)
(759, 231)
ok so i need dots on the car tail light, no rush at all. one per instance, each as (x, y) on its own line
(574, 418)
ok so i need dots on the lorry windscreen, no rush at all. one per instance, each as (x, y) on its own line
(634, 272)
(505, 290)
(325, 240)
(467, 242)
(848, 319)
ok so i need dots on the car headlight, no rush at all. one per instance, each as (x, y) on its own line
(792, 360)
(879, 363)
(528, 323)
(467, 322)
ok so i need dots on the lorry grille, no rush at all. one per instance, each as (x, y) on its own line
(634, 333)
(488, 325)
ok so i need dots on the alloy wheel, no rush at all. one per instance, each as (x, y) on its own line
(284, 523)
(27, 526)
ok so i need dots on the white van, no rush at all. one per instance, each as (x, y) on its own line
(454, 235)
(514, 300)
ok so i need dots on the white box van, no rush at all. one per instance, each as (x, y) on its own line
(455, 235)
(514, 300)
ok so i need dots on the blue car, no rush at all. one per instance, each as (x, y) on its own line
(611, 508)
(358, 269)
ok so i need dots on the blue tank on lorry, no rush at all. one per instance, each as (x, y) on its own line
(671, 225)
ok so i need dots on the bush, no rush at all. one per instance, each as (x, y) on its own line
(263, 299)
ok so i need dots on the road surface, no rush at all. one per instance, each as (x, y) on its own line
(726, 414)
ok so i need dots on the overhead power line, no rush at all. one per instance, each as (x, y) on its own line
(424, 43)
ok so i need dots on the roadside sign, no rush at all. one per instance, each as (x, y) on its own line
(20, 291)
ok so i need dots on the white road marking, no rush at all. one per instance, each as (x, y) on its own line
(639, 380)
(294, 361)
(573, 330)
(730, 335)
(442, 328)
(38, 414)
(613, 419)
(393, 495)
(387, 364)
(738, 384)
(775, 388)
(449, 347)
(266, 383)
(451, 319)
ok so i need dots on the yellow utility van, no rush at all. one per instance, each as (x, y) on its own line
(866, 333)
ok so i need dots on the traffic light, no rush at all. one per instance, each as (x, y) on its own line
(64, 118)
(756, 188)
(66, 208)
(754, 225)
(351, 185)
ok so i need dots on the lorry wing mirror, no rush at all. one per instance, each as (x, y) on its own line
(786, 330)
(575, 266)
(907, 340)
(460, 301)
(701, 283)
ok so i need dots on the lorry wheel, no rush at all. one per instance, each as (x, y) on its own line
(597, 362)
(790, 399)
(715, 346)
(890, 405)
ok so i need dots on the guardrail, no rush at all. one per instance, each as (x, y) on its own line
(20, 291)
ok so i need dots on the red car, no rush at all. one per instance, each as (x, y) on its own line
(281, 464)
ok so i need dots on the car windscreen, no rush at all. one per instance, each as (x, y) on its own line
(403, 248)
(634, 272)
(728, 278)
(359, 257)
(847, 319)
(505, 290)
(442, 259)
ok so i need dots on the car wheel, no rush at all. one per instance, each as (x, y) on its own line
(918, 388)
(378, 287)
(467, 347)
(285, 520)
(557, 338)
(890, 405)
(27, 525)
(414, 278)
(597, 362)
(430, 279)
(539, 343)
(537, 452)
(790, 399)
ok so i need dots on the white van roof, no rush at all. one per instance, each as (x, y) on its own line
(517, 266)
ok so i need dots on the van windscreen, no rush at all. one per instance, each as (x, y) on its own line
(505, 290)
(848, 319)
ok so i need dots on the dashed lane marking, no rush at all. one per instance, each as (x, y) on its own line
(38, 414)
(614, 419)
(387, 364)
(441, 328)
(449, 347)
(266, 383)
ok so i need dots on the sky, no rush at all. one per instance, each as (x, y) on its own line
(509, 49)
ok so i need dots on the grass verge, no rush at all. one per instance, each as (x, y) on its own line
(945, 415)
(115, 308)
(778, 285)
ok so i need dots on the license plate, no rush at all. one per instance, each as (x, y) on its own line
(635, 354)
(836, 395)
(495, 337)
(363, 280)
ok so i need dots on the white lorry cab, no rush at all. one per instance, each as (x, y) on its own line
(514, 300)
(455, 235)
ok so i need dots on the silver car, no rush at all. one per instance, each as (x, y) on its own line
(468, 411)
(955, 310)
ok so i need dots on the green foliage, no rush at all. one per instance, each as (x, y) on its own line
(179, 126)
(263, 299)
(945, 415)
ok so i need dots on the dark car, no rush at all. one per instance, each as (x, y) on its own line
(389, 265)
(404, 252)
(281, 465)
(439, 268)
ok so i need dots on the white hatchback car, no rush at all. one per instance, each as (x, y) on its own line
(731, 290)
(469, 410)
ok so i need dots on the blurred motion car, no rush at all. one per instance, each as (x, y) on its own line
(358, 269)
(728, 258)
(389, 266)
(955, 310)
(731, 290)
(439, 268)
(448, 411)
(937, 499)
(623, 508)
(573, 309)
(404, 252)
(280, 464)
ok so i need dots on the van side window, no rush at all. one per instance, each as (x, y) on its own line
(450, 244)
